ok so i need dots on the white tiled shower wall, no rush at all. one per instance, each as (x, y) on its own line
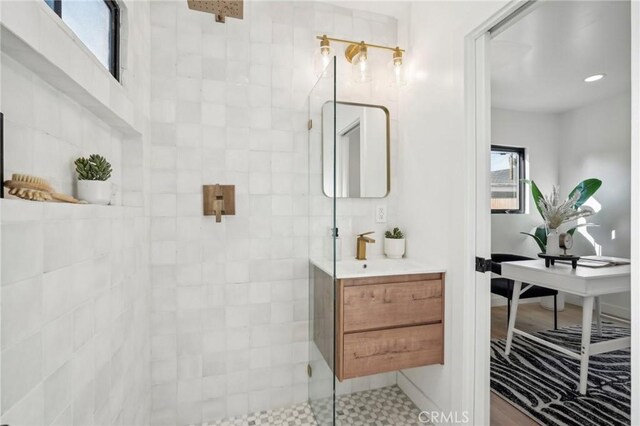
(229, 321)
(75, 291)
(74, 314)
(228, 105)
(45, 131)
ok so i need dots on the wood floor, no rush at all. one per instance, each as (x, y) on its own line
(531, 317)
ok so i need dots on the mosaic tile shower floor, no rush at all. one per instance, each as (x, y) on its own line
(379, 407)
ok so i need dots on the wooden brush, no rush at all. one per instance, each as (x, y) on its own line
(58, 196)
(19, 180)
(30, 194)
(35, 188)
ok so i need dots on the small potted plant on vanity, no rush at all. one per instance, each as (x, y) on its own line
(93, 175)
(394, 244)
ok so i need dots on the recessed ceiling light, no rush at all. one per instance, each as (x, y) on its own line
(594, 77)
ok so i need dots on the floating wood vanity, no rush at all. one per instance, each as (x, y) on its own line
(382, 323)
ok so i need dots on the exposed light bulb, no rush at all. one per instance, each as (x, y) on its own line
(397, 72)
(323, 57)
(398, 69)
(326, 56)
(325, 52)
(361, 68)
(363, 65)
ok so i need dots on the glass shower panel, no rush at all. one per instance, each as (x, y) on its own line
(322, 254)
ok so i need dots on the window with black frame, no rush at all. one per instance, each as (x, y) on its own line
(97, 25)
(507, 179)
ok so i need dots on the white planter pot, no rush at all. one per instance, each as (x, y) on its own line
(553, 242)
(394, 248)
(95, 191)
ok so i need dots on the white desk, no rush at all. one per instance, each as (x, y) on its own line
(588, 283)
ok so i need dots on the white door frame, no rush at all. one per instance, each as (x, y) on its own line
(635, 211)
(478, 221)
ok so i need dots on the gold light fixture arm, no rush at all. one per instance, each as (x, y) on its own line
(359, 43)
(356, 47)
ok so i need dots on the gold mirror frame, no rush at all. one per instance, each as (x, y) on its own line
(388, 150)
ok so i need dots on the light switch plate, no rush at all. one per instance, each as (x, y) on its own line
(381, 214)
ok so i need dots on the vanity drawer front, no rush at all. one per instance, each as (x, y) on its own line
(370, 307)
(380, 351)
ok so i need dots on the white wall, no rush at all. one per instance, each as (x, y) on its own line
(432, 183)
(75, 279)
(596, 143)
(540, 134)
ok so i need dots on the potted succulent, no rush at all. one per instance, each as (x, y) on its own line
(394, 244)
(93, 175)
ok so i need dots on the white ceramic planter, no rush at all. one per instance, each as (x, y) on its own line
(394, 248)
(95, 191)
(553, 242)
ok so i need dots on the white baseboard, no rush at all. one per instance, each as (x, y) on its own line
(423, 402)
(607, 308)
(616, 311)
(501, 301)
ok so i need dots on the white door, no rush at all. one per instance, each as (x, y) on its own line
(483, 222)
(478, 104)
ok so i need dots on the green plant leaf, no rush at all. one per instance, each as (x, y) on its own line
(96, 167)
(537, 240)
(535, 194)
(396, 234)
(541, 234)
(587, 188)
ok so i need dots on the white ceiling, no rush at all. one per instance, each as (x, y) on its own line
(540, 62)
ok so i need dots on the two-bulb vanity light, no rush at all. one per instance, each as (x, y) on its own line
(357, 54)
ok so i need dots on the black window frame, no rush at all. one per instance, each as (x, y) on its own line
(114, 33)
(522, 188)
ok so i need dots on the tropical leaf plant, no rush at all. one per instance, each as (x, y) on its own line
(587, 188)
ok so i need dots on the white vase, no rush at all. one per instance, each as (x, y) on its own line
(394, 248)
(553, 242)
(96, 191)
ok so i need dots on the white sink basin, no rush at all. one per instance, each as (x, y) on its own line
(375, 267)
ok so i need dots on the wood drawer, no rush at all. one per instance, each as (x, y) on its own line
(380, 351)
(371, 307)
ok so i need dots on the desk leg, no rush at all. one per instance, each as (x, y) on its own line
(598, 317)
(587, 317)
(515, 297)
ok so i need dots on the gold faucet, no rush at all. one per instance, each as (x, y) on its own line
(361, 245)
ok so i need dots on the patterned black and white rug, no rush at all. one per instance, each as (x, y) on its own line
(543, 383)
